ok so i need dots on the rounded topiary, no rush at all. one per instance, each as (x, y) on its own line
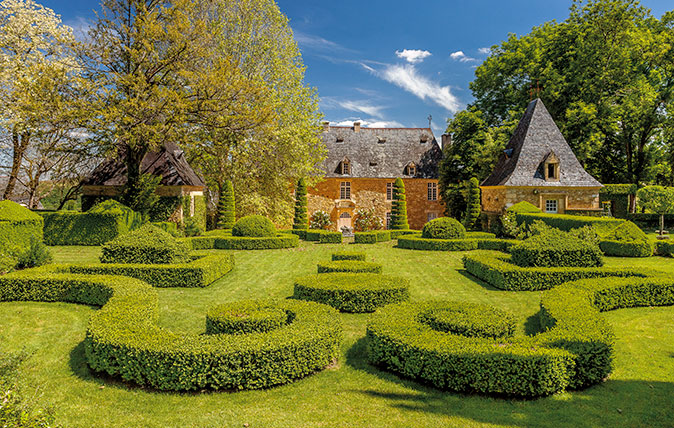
(523, 207)
(627, 231)
(245, 317)
(254, 226)
(443, 228)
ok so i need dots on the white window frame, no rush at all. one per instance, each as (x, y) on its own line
(551, 206)
(345, 190)
(432, 191)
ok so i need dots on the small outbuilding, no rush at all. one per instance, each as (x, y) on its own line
(538, 166)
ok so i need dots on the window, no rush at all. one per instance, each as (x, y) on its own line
(410, 169)
(431, 216)
(551, 167)
(551, 170)
(345, 190)
(388, 220)
(551, 206)
(345, 167)
(389, 191)
(432, 191)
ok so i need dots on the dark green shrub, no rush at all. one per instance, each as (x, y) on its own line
(197, 273)
(248, 316)
(498, 271)
(164, 208)
(302, 233)
(372, 237)
(192, 227)
(443, 228)
(602, 225)
(142, 195)
(226, 206)
(555, 248)
(254, 226)
(399, 206)
(224, 242)
(352, 266)
(147, 245)
(627, 231)
(523, 207)
(36, 255)
(300, 219)
(471, 218)
(626, 248)
(348, 255)
(124, 340)
(169, 227)
(352, 292)
(503, 245)
(324, 236)
(17, 227)
(416, 242)
(399, 232)
(664, 248)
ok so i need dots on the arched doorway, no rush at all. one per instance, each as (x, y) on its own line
(344, 220)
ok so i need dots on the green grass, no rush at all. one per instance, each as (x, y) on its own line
(640, 391)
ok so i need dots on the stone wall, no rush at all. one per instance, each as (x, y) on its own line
(371, 193)
(497, 198)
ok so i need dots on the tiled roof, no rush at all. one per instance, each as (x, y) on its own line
(169, 162)
(381, 152)
(536, 137)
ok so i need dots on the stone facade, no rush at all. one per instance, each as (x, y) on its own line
(496, 199)
(369, 193)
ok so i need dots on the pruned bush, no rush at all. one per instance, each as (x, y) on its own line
(523, 207)
(37, 254)
(372, 237)
(324, 236)
(226, 206)
(254, 226)
(664, 248)
(443, 228)
(248, 316)
(627, 248)
(416, 242)
(395, 233)
(228, 242)
(352, 292)
(147, 245)
(566, 222)
(627, 231)
(348, 255)
(353, 266)
(554, 248)
(192, 227)
(471, 320)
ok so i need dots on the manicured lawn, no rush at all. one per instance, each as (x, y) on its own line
(640, 391)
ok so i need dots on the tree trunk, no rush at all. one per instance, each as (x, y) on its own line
(20, 144)
(662, 225)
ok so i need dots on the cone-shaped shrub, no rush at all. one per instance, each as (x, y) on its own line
(399, 206)
(226, 207)
(472, 215)
(300, 221)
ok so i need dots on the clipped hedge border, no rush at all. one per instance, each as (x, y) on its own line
(503, 245)
(627, 248)
(566, 222)
(348, 255)
(197, 273)
(416, 242)
(497, 270)
(575, 351)
(664, 248)
(248, 316)
(352, 292)
(372, 237)
(324, 236)
(396, 233)
(123, 339)
(352, 266)
(224, 242)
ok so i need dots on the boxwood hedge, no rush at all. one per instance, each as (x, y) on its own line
(416, 242)
(352, 292)
(247, 316)
(348, 255)
(372, 236)
(664, 248)
(627, 248)
(353, 266)
(324, 236)
(225, 242)
(147, 245)
(124, 340)
(497, 270)
(566, 222)
(555, 248)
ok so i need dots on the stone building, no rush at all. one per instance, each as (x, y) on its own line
(363, 163)
(539, 167)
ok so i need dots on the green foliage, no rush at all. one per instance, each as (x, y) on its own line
(417, 242)
(169, 227)
(164, 208)
(618, 195)
(618, 189)
(141, 195)
(498, 271)
(37, 254)
(300, 219)
(555, 248)
(400, 232)
(324, 236)
(349, 266)
(367, 220)
(227, 206)
(664, 248)
(200, 211)
(224, 242)
(469, 320)
(18, 226)
(147, 245)
(523, 207)
(443, 228)
(192, 227)
(320, 220)
(602, 225)
(348, 255)
(627, 231)
(246, 316)
(657, 199)
(615, 248)
(255, 226)
(399, 206)
(471, 218)
(352, 292)
(123, 339)
(372, 237)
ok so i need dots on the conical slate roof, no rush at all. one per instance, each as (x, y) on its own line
(534, 139)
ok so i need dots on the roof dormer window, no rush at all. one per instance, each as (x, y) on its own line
(381, 140)
(340, 139)
(551, 167)
(424, 138)
(344, 167)
(410, 169)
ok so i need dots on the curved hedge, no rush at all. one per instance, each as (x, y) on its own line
(575, 351)
(443, 228)
(254, 226)
(248, 316)
(124, 340)
(497, 270)
(147, 245)
(352, 292)
(627, 248)
(353, 266)
(555, 248)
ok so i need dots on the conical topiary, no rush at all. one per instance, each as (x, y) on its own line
(473, 208)
(226, 206)
(300, 221)
(399, 206)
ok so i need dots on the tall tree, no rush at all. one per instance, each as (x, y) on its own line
(399, 206)
(300, 220)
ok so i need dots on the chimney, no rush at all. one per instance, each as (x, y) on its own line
(326, 126)
(356, 126)
(446, 140)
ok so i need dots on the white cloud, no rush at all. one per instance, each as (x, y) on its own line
(407, 78)
(460, 56)
(413, 56)
(318, 43)
(484, 51)
(80, 26)
(369, 123)
(362, 107)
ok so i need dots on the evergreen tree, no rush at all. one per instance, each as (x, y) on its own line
(300, 221)
(473, 208)
(226, 206)
(399, 206)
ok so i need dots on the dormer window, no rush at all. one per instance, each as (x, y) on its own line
(551, 167)
(381, 140)
(424, 138)
(340, 139)
(410, 169)
(345, 167)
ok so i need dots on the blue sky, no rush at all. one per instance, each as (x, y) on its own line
(394, 63)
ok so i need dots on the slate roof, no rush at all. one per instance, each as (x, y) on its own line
(381, 152)
(169, 162)
(535, 137)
